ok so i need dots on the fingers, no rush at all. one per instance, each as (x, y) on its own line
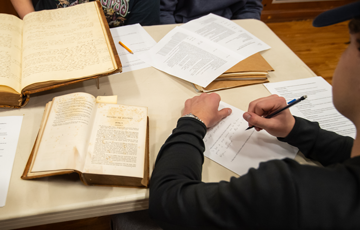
(266, 105)
(257, 121)
(224, 113)
(205, 106)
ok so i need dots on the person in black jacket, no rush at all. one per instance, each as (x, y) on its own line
(280, 194)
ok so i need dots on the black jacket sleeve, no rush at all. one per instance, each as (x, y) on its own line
(280, 194)
(318, 144)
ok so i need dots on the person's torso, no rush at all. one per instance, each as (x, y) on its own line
(115, 10)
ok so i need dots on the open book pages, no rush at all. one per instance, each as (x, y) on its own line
(53, 47)
(78, 134)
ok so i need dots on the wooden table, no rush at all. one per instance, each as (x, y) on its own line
(58, 199)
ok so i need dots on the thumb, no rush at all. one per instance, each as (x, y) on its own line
(224, 112)
(255, 120)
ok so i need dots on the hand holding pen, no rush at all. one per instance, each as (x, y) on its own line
(274, 107)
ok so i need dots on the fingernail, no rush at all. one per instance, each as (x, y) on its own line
(229, 111)
(247, 116)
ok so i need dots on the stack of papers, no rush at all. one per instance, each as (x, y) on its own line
(250, 71)
(198, 51)
(203, 49)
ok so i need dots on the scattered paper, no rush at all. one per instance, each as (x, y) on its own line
(230, 145)
(317, 107)
(202, 49)
(138, 41)
(189, 57)
(227, 34)
(9, 136)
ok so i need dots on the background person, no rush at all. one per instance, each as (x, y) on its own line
(117, 12)
(181, 11)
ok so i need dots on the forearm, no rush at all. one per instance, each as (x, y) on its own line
(23, 7)
(318, 144)
(178, 165)
(179, 200)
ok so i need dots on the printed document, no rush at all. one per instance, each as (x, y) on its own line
(138, 41)
(202, 49)
(317, 107)
(9, 136)
(230, 145)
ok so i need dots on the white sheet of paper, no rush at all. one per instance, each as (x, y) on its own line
(238, 149)
(317, 107)
(201, 50)
(187, 56)
(9, 136)
(227, 34)
(138, 41)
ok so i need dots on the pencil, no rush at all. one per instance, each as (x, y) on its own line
(122, 44)
(291, 103)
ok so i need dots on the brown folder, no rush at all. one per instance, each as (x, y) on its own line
(250, 71)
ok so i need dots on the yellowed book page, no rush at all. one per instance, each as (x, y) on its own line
(64, 141)
(10, 51)
(117, 142)
(64, 44)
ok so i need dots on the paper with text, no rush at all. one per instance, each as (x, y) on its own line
(227, 34)
(186, 55)
(230, 145)
(50, 47)
(317, 107)
(64, 141)
(203, 49)
(9, 136)
(138, 41)
(117, 141)
(10, 51)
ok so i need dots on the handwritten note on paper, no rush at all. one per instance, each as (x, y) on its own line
(317, 107)
(137, 40)
(9, 136)
(238, 150)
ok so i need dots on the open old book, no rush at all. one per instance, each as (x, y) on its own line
(106, 144)
(52, 48)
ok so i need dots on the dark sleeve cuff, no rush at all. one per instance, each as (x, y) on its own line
(318, 144)
(297, 131)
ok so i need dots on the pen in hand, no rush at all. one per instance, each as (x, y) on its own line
(291, 103)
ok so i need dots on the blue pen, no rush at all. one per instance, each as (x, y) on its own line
(291, 103)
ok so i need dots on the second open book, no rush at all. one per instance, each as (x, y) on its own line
(107, 144)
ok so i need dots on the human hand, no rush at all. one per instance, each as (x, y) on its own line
(280, 125)
(206, 107)
(23, 7)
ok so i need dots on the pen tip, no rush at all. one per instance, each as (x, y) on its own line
(305, 96)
